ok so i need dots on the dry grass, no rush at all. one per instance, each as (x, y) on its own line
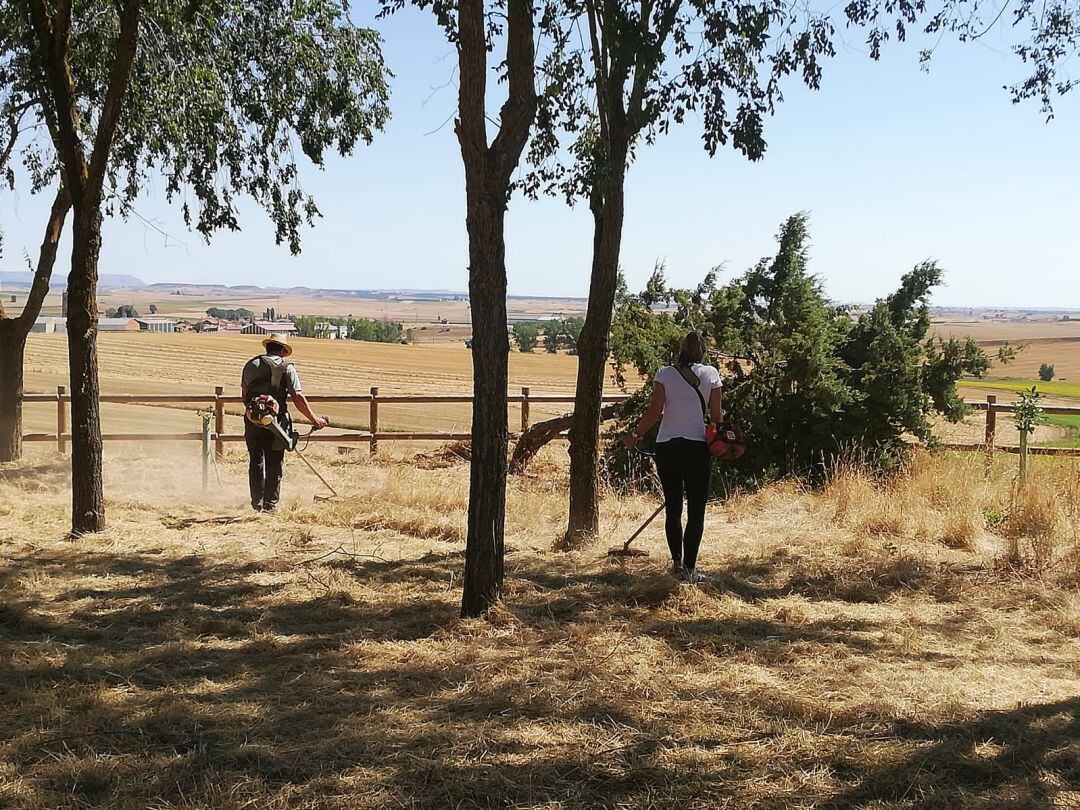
(860, 647)
(952, 500)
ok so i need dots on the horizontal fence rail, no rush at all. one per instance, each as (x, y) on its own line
(217, 401)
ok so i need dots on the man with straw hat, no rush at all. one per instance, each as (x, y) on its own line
(268, 381)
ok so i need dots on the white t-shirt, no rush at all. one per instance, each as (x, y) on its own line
(682, 409)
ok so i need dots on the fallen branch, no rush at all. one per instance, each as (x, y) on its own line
(538, 435)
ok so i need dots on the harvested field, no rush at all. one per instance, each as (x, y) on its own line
(911, 644)
(1063, 355)
(191, 302)
(148, 363)
(996, 331)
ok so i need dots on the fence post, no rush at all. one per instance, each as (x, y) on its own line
(991, 429)
(524, 409)
(373, 419)
(219, 423)
(61, 419)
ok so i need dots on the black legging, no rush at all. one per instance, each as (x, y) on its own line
(684, 467)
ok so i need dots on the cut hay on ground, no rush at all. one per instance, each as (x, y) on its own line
(869, 646)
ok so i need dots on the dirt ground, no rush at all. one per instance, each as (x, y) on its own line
(914, 645)
(972, 430)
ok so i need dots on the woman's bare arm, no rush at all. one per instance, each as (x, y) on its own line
(716, 405)
(650, 417)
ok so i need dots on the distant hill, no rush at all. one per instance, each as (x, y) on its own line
(21, 280)
(303, 290)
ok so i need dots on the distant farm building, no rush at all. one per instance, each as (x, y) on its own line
(330, 331)
(156, 324)
(219, 325)
(49, 326)
(118, 325)
(269, 328)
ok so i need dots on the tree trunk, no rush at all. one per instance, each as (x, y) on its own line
(607, 208)
(483, 580)
(1023, 458)
(87, 499)
(488, 169)
(13, 332)
(84, 179)
(11, 390)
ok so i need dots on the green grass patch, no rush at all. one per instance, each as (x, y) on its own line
(1069, 421)
(1054, 388)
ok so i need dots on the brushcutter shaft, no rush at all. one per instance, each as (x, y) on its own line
(317, 475)
(643, 527)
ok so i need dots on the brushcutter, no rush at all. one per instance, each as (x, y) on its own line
(319, 498)
(292, 438)
(625, 550)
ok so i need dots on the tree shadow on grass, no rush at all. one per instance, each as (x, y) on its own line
(193, 680)
(1025, 757)
(188, 680)
(769, 641)
(866, 580)
(548, 594)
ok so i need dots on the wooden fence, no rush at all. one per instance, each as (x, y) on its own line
(989, 444)
(218, 400)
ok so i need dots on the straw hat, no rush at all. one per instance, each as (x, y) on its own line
(280, 340)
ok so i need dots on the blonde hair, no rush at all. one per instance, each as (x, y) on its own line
(692, 350)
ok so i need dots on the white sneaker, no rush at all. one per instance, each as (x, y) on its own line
(677, 570)
(695, 577)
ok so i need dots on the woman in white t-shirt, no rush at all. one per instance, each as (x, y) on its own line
(681, 395)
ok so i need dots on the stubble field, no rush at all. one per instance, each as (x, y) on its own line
(193, 363)
(191, 302)
(149, 363)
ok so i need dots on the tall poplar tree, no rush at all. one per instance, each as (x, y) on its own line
(477, 29)
(644, 66)
(217, 99)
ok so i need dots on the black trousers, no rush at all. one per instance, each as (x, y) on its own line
(265, 465)
(684, 467)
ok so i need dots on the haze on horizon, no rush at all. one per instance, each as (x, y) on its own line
(895, 165)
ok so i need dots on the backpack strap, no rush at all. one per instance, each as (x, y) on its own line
(696, 382)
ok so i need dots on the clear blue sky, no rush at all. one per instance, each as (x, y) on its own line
(895, 166)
